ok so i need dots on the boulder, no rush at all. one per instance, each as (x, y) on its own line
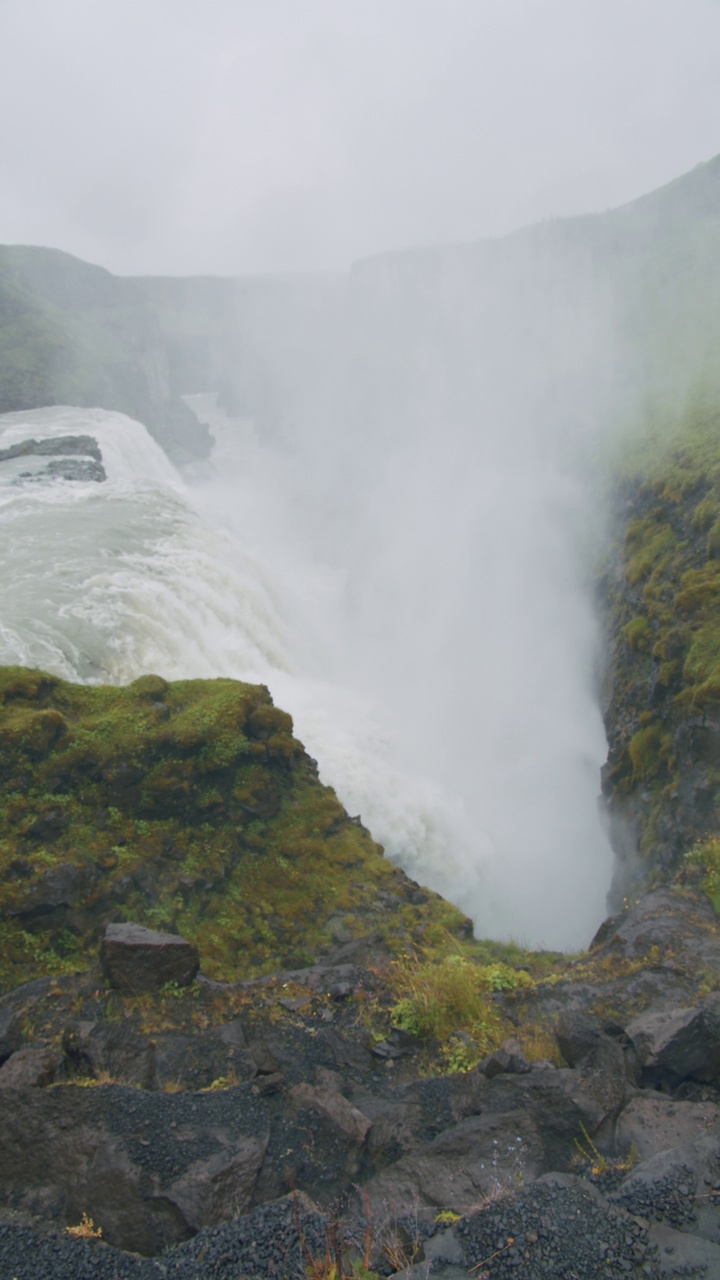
(558, 1227)
(562, 1103)
(52, 897)
(220, 1187)
(317, 1145)
(678, 1187)
(135, 959)
(479, 1158)
(653, 1122)
(508, 1059)
(347, 1119)
(679, 1044)
(682, 1254)
(188, 1061)
(29, 1068)
(113, 1051)
(601, 1048)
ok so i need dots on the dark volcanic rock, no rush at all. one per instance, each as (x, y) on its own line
(74, 458)
(558, 1229)
(54, 446)
(475, 1158)
(148, 1168)
(29, 1068)
(81, 469)
(51, 898)
(508, 1059)
(114, 1050)
(135, 959)
(679, 1044)
(653, 1122)
(681, 926)
(10, 1033)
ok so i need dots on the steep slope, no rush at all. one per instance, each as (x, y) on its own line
(71, 333)
(188, 807)
(661, 596)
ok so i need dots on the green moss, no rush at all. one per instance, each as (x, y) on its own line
(648, 749)
(667, 613)
(638, 632)
(647, 541)
(704, 858)
(186, 806)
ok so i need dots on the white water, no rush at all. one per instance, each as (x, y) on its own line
(438, 665)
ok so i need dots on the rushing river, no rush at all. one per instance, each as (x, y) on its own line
(438, 666)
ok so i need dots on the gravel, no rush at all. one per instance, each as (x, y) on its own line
(556, 1229)
(559, 1228)
(266, 1244)
(669, 1199)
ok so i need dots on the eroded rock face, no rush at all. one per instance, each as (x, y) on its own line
(135, 959)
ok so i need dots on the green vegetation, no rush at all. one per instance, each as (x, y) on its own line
(71, 333)
(666, 614)
(704, 859)
(449, 1001)
(188, 807)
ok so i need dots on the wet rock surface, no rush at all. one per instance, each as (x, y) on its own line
(181, 1119)
(73, 458)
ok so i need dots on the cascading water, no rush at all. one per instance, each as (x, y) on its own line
(434, 648)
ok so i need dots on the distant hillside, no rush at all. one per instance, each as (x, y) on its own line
(625, 304)
(72, 333)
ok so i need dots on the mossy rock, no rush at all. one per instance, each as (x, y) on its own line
(189, 807)
(662, 780)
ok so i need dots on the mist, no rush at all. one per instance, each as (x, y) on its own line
(274, 135)
(403, 517)
(429, 476)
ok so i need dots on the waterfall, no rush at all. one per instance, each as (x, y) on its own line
(432, 643)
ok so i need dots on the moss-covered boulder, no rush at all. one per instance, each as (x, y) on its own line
(187, 807)
(662, 603)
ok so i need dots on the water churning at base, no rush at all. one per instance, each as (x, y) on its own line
(404, 560)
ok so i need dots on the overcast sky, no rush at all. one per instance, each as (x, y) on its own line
(174, 136)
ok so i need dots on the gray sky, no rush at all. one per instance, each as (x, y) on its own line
(174, 136)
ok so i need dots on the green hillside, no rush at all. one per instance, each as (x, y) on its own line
(187, 807)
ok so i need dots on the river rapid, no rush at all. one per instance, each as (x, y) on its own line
(439, 669)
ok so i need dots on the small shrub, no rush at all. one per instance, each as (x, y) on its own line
(449, 1000)
(85, 1229)
(599, 1164)
(704, 858)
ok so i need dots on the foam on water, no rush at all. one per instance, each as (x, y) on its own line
(233, 570)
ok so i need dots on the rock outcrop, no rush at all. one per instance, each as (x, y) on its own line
(660, 597)
(187, 808)
(177, 1120)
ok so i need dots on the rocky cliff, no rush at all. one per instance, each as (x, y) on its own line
(189, 807)
(72, 333)
(661, 601)
(446, 1103)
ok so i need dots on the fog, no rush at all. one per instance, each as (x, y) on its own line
(255, 135)
(432, 475)
(402, 522)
